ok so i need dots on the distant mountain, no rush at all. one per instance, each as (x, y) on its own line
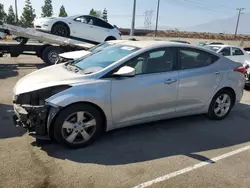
(223, 25)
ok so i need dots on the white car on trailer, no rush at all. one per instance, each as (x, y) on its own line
(81, 27)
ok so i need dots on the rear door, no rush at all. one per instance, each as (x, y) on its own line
(199, 77)
(101, 29)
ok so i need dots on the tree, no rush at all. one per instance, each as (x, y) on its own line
(2, 13)
(47, 9)
(95, 13)
(28, 15)
(105, 15)
(11, 18)
(63, 12)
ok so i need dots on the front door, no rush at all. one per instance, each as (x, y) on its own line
(81, 28)
(199, 77)
(151, 94)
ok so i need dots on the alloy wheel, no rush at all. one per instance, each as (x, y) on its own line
(222, 105)
(79, 127)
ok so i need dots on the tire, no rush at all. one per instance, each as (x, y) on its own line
(23, 40)
(51, 54)
(18, 39)
(61, 133)
(60, 29)
(214, 106)
(110, 38)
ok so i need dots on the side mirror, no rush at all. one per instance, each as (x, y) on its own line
(125, 71)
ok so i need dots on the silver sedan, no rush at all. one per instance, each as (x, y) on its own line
(123, 85)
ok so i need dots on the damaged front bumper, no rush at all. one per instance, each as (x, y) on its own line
(36, 119)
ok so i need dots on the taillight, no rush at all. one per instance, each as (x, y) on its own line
(241, 69)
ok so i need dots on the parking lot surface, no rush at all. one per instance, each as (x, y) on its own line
(127, 157)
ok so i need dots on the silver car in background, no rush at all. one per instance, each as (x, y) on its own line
(123, 85)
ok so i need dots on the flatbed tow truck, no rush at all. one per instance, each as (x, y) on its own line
(48, 51)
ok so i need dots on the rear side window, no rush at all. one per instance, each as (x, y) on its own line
(101, 23)
(237, 51)
(192, 58)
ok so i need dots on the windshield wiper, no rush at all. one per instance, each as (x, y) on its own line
(72, 67)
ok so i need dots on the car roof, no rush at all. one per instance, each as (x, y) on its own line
(223, 45)
(152, 43)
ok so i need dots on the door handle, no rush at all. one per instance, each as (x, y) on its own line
(217, 73)
(170, 81)
(91, 26)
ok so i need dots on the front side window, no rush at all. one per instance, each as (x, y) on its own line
(154, 62)
(102, 59)
(101, 23)
(85, 19)
(237, 51)
(192, 58)
(226, 51)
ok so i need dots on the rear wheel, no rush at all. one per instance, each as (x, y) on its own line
(60, 29)
(51, 54)
(78, 125)
(221, 105)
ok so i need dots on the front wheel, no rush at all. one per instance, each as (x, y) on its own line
(78, 125)
(221, 105)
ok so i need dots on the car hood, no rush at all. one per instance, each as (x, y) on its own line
(74, 54)
(47, 77)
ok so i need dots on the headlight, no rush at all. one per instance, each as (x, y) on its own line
(38, 97)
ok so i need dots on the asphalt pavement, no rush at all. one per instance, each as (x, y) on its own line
(183, 152)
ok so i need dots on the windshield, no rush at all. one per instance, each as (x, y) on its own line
(100, 47)
(213, 48)
(98, 61)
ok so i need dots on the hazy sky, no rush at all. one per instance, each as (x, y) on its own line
(173, 13)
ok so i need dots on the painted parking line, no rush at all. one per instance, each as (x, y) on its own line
(191, 168)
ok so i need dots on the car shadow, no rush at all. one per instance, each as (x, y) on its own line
(7, 72)
(181, 136)
(11, 70)
(7, 127)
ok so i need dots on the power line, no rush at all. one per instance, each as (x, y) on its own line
(196, 4)
(238, 19)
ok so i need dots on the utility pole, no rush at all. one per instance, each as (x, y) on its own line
(16, 12)
(157, 17)
(132, 31)
(238, 20)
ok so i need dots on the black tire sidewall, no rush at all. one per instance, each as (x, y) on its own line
(47, 50)
(57, 26)
(211, 114)
(64, 113)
